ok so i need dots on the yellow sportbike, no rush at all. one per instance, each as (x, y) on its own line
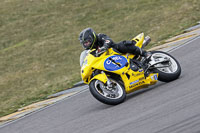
(111, 75)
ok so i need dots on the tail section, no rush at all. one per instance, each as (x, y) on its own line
(139, 40)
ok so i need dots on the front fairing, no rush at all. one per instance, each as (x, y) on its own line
(86, 69)
(104, 63)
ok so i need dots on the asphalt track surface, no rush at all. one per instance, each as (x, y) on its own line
(164, 108)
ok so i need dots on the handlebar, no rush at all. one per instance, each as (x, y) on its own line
(101, 51)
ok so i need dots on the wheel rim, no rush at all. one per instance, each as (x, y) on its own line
(172, 65)
(112, 93)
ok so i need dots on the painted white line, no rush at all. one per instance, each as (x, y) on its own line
(41, 109)
(184, 44)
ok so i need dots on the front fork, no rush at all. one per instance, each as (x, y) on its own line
(103, 78)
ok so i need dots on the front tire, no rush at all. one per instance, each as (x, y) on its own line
(111, 96)
(166, 74)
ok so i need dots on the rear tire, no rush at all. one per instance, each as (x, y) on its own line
(114, 96)
(167, 74)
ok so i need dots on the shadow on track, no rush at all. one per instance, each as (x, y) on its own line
(98, 106)
(141, 91)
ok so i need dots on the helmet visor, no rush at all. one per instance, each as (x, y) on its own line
(87, 43)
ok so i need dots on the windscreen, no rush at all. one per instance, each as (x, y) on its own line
(82, 56)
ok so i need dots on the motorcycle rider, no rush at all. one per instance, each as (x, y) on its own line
(90, 40)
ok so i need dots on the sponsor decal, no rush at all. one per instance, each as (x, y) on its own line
(138, 74)
(140, 70)
(155, 77)
(115, 62)
(137, 84)
(134, 82)
(141, 78)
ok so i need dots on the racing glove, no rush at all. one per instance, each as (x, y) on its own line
(108, 43)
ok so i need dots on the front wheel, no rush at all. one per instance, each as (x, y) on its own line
(169, 70)
(109, 95)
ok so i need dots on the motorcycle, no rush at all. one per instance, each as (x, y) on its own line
(112, 75)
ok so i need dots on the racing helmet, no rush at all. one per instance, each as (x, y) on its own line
(87, 38)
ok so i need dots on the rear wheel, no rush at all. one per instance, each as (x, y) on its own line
(169, 70)
(112, 95)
